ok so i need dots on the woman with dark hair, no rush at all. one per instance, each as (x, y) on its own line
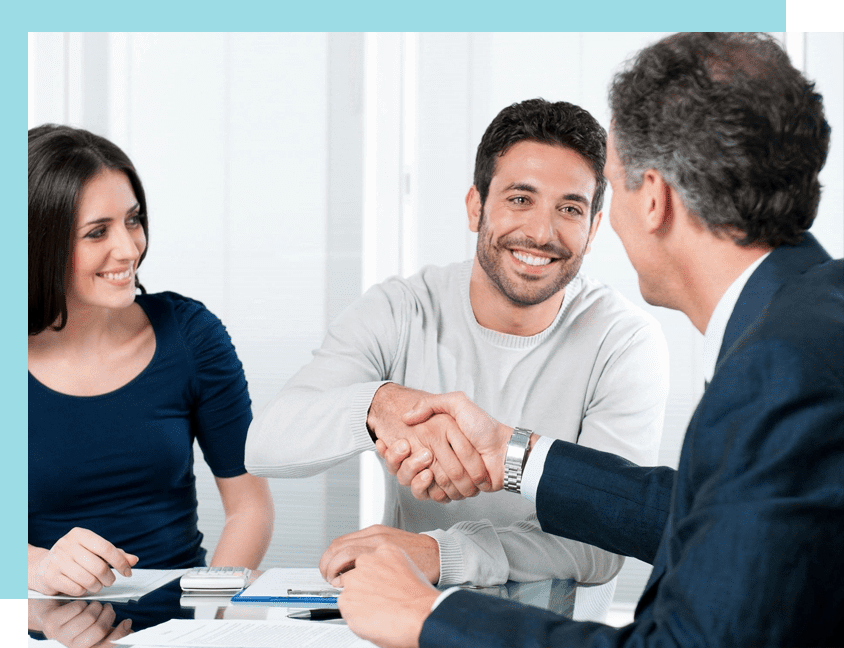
(120, 385)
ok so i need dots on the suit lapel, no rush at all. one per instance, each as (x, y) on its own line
(782, 263)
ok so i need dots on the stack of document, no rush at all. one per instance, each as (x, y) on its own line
(212, 633)
(124, 589)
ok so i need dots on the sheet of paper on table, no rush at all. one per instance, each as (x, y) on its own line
(44, 643)
(142, 581)
(213, 633)
(272, 587)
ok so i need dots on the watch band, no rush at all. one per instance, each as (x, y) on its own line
(514, 460)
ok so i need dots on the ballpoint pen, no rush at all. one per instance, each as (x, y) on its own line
(327, 592)
(318, 614)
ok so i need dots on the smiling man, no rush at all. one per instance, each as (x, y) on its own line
(534, 225)
(521, 331)
(714, 156)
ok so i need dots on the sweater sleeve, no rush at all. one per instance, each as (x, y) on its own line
(478, 553)
(624, 417)
(318, 419)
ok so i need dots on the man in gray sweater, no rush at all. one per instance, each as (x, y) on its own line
(518, 329)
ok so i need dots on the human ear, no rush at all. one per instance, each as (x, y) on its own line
(473, 208)
(656, 193)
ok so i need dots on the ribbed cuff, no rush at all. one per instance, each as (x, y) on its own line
(360, 405)
(451, 558)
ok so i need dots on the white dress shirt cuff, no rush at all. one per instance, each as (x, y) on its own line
(442, 597)
(534, 467)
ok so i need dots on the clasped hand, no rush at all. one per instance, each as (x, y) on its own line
(445, 445)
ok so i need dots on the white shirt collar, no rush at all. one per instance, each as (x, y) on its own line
(717, 325)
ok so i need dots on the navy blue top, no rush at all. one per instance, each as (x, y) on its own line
(121, 464)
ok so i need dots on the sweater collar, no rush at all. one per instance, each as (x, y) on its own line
(506, 340)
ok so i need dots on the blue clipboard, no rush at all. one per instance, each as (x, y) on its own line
(316, 599)
(288, 601)
(289, 587)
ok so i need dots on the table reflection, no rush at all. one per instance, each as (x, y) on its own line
(98, 624)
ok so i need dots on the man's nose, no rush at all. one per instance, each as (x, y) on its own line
(539, 225)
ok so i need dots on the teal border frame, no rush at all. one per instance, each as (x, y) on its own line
(323, 15)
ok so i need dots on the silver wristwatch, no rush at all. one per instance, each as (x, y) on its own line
(514, 460)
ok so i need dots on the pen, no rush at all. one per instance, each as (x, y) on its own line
(319, 614)
(327, 592)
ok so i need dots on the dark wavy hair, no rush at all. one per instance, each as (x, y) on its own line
(731, 125)
(538, 120)
(61, 161)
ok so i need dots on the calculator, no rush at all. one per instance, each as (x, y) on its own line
(215, 580)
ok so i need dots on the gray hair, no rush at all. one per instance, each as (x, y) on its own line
(731, 125)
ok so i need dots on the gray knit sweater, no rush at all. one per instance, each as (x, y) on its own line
(598, 376)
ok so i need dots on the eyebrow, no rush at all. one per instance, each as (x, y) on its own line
(108, 219)
(579, 198)
(521, 186)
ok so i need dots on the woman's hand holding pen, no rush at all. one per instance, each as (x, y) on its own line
(79, 562)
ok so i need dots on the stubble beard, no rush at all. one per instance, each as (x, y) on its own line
(530, 291)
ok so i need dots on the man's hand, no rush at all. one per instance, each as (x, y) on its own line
(436, 433)
(79, 562)
(386, 599)
(343, 554)
(488, 437)
(411, 470)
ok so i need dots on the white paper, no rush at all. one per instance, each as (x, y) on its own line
(283, 633)
(142, 581)
(276, 582)
(44, 643)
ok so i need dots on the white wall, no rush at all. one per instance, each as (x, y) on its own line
(230, 135)
(465, 79)
(286, 171)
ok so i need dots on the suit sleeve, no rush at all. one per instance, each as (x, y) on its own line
(627, 504)
(748, 562)
(624, 416)
(318, 419)
(481, 621)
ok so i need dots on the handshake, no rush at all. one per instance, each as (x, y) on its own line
(444, 447)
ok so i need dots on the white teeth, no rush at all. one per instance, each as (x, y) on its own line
(530, 259)
(117, 276)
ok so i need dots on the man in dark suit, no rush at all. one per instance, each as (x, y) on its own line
(714, 154)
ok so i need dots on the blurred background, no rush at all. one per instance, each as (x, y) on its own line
(286, 173)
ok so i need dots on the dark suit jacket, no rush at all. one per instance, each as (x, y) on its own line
(747, 535)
